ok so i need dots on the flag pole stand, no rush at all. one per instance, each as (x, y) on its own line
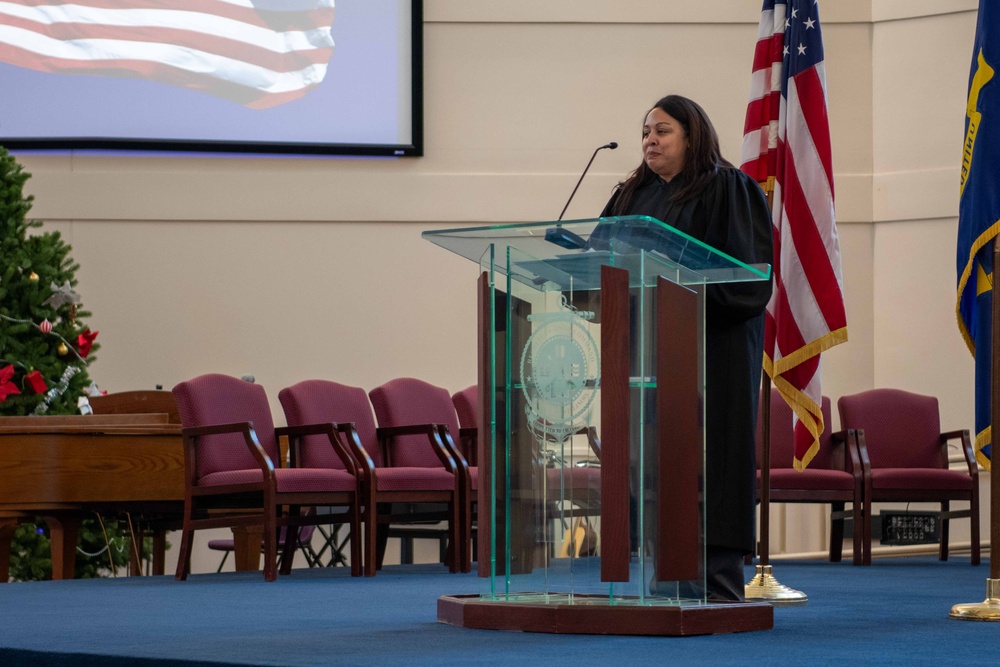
(764, 586)
(989, 609)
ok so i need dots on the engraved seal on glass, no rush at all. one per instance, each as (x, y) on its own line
(560, 370)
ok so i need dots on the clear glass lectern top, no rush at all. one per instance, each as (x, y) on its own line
(557, 496)
(555, 242)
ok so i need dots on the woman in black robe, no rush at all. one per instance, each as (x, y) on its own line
(685, 182)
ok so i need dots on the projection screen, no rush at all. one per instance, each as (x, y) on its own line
(241, 76)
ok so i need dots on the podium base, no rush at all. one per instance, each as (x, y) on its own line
(471, 611)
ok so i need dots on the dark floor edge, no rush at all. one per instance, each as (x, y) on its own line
(13, 657)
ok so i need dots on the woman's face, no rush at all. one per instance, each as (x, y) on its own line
(664, 144)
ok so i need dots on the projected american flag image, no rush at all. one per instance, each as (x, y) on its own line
(258, 53)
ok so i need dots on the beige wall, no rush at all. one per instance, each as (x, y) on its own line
(290, 269)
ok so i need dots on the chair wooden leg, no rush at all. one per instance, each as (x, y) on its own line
(473, 535)
(270, 539)
(943, 554)
(371, 530)
(469, 543)
(357, 564)
(464, 552)
(290, 545)
(288, 550)
(8, 526)
(866, 555)
(460, 528)
(369, 517)
(184, 554)
(382, 534)
(836, 532)
(857, 538)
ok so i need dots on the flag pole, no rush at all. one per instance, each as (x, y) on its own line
(989, 609)
(763, 585)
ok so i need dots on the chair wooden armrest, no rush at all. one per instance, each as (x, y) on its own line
(433, 433)
(365, 461)
(469, 437)
(331, 431)
(461, 460)
(970, 455)
(594, 441)
(249, 437)
(862, 450)
(848, 439)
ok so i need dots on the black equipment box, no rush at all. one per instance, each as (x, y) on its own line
(910, 527)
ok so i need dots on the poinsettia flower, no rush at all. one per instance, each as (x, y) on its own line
(85, 341)
(7, 387)
(37, 382)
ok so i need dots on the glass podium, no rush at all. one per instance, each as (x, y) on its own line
(587, 488)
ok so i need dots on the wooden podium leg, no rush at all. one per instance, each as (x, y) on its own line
(8, 526)
(159, 551)
(157, 555)
(246, 546)
(64, 531)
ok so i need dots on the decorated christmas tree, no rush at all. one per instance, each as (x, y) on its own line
(45, 349)
(45, 346)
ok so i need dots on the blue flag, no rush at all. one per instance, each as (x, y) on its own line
(979, 212)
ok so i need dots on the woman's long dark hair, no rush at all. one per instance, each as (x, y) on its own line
(703, 157)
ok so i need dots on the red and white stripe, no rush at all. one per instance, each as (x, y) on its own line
(760, 130)
(256, 52)
(787, 147)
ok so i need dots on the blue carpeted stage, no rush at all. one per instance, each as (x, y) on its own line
(894, 612)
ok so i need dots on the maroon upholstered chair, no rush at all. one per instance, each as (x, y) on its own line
(579, 485)
(466, 404)
(390, 479)
(904, 458)
(833, 476)
(416, 423)
(233, 475)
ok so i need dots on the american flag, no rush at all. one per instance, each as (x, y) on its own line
(259, 53)
(786, 148)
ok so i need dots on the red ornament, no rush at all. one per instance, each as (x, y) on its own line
(37, 382)
(45, 327)
(7, 387)
(85, 341)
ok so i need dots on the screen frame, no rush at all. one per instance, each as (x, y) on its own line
(415, 148)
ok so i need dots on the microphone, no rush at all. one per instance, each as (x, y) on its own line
(612, 145)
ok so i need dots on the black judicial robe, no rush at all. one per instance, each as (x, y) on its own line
(731, 215)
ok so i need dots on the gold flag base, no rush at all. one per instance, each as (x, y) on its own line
(765, 587)
(988, 610)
